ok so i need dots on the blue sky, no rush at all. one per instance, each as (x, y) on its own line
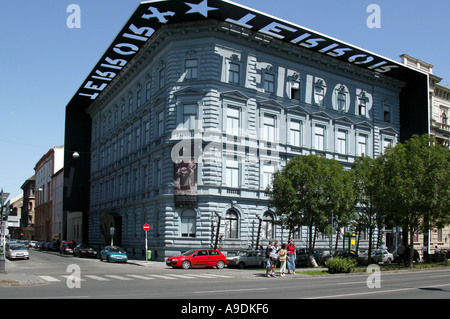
(43, 62)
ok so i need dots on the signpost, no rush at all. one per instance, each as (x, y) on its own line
(146, 229)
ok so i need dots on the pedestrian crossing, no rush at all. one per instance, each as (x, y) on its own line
(130, 277)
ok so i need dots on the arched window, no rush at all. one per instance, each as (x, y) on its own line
(267, 226)
(188, 227)
(231, 224)
(444, 118)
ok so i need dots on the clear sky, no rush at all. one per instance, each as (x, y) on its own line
(43, 62)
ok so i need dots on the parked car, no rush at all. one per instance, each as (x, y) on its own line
(66, 247)
(83, 250)
(16, 251)
(198, 258)
(32, 243)
(405, 257)
(302, 256)
(379, 256)
(113, 253)
(52, 246)
(247, 258)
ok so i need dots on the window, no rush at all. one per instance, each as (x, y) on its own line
(139, 97)
(269, 83)
(161, 77)
(148, 90)
(189, 116)
(294, 133)
(361, 148)
(268, 169)
(231, 224)
(158, 177)
(342, 100)
(319, 92)
(137, 136)
(160, 126)
(233, 122)
(362, 106)
(234, 73)
(386, 143)
(232, 172)
(269, 128)
(146, 139)
(387, 112)
(188, 223)
(319, 138)
(444, 118)
(267, 226)
(342, 142)
(191, 68)
(130, 105)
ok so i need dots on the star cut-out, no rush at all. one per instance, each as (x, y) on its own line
(201, 8)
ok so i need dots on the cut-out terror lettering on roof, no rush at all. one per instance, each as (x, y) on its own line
(150, 15)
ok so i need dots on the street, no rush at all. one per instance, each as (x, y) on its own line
(58, 276)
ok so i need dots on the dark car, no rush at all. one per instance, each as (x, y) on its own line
(302, 256)
(52, 246)
(84, 250)
(67, 247)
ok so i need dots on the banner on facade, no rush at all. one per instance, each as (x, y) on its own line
(185, 183)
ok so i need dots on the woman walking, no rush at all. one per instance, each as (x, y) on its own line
(291, 255)
(283, 256)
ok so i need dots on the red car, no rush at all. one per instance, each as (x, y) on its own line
(198, 258)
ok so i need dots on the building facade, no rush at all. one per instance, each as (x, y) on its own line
(27, 220)
(45, 168)
(187, 136)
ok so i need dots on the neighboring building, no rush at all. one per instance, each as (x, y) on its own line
(44, 169)
(188, 135)
(439, 101)
(15, 212)
(439, 128)
(27, 220)
(57, 203)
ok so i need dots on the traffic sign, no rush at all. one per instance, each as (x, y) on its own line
(146, 227)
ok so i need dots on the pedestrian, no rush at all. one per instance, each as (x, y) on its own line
(273, 258)
(268, 264)
(291, 256)
(425, 252)
(283, 256)
(436, 250)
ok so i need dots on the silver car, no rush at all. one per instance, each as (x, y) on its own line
(247, 259)
(17, 251)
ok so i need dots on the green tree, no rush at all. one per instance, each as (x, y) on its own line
(308, 190)
(367, 178)
(416, 183)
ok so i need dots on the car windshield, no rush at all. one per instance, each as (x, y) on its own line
(242, 253)
(17, 247)
(115, 249)
(189, 252)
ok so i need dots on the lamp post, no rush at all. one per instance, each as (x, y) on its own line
(3, 197)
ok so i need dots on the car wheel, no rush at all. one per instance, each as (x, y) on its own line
(220, 264)
(241, 265)
(186, 264)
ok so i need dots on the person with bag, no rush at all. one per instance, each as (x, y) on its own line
(283, 256)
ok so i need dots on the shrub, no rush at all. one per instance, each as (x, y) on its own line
(340, 265)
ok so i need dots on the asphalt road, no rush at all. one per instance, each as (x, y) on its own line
(104, 280)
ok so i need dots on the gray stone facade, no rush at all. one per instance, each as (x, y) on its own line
(252, 99)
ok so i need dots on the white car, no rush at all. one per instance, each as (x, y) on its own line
(379, 256)
(16, 251)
